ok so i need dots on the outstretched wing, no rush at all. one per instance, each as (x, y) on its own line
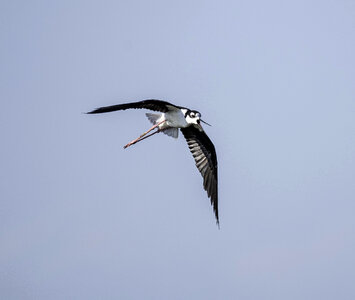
(156, 105)
(205, 157)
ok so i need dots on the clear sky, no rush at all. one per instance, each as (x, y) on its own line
(82, 218)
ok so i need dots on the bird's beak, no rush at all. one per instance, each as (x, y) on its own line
(205, 122)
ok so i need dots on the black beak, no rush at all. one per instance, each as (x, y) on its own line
(205, 122)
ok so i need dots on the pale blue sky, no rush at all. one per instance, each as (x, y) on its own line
(81, 218)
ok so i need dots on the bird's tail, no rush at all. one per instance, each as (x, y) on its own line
(156, 118)
(153, 118)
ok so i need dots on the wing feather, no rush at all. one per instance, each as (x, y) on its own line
(152, 104)
(204, 153)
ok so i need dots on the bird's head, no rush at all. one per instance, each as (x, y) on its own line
(194, 117)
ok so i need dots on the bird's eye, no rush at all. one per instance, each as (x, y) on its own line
(192, 115)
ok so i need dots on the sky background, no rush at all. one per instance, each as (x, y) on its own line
(81, 218)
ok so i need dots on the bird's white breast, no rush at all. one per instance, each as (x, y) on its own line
(174, 119)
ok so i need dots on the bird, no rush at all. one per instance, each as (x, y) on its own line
(169, 120)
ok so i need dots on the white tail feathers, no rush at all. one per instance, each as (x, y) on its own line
(156, 118)
(173, 132)
(153, 118)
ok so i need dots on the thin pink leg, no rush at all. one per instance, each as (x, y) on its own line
(141, 137)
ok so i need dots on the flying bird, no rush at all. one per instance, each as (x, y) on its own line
(170, 119)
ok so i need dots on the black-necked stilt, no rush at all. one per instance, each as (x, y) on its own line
(170, 119)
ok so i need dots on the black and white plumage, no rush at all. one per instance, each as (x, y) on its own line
(170, 119)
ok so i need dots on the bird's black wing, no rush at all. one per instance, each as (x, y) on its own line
(205, 157)
(156, 105)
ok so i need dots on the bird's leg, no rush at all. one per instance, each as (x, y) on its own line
(141, 137)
